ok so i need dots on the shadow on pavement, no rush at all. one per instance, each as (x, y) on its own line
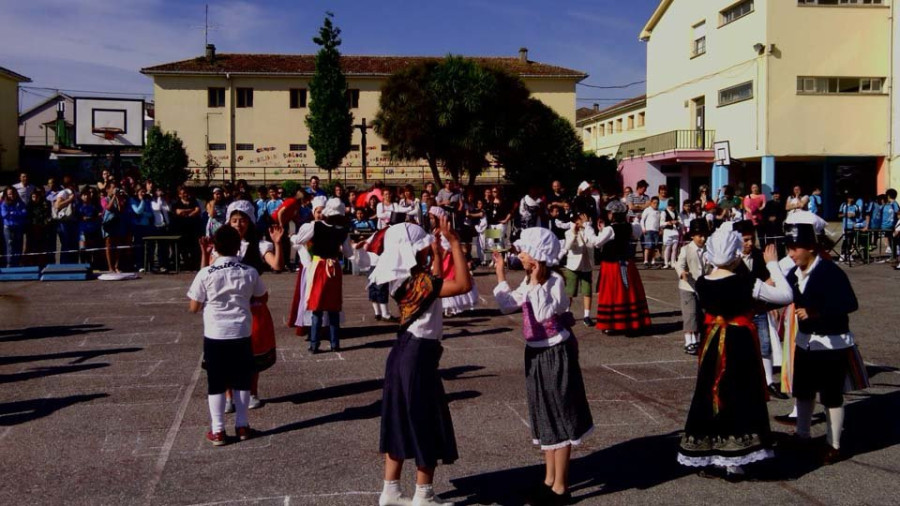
(50, 331)
(640, 463)
(14, 413)
(79, 356)
(485, 332)
(366, 412)
(666, 314)
(43, 372)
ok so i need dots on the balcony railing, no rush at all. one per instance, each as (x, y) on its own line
(675, 140)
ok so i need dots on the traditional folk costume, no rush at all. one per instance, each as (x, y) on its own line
(621, 301)
(728, 422)
(557, 404)
(825, 349)
(327, 243)
(692, 261)
(297, 317)
(415, 415)
(459, 303)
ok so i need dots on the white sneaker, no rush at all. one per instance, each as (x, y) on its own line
(385, 500)
(429, 501)
(255, 403)
(229, 406)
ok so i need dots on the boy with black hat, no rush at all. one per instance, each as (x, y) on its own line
(823, 298)
(690, 266)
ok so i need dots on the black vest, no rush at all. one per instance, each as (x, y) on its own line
(828, 295)
(618, 248)
(327, 240)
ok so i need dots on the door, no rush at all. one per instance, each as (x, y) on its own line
(700, 123)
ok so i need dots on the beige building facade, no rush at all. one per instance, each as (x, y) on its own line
(800, 89)
(604, 130)
(248, 111)
(9, 118)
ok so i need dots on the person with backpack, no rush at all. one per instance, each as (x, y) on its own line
(67, 223)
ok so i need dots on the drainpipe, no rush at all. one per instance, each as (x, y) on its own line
(232, 137)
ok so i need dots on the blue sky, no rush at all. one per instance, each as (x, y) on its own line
(101, 44)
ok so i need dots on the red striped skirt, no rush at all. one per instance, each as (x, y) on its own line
(621, 302)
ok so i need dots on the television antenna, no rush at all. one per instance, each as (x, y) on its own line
(206, 27)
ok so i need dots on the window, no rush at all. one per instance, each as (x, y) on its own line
(354, 147)
(217, 147)
(297, 147)
(618, 125)
(631, 122)
(245, 97)
(840, 85)
(602, 130)
(215, 97)
(698, 47)
(735, 12)
(353, 98)
(243, 147)
(640, 119)
(840, 2)
(298, 98)
(610, 128)
(736, 94)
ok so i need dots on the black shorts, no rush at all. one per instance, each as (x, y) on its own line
(228, 363)
(823, 372)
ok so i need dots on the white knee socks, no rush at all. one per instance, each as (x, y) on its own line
(804, 417)
(834, 418)
(691, 338)
(217, 412)
(241, 406)
(377, 309)
(424, 491)
(385, 312)
(390, 494)
(767, 367)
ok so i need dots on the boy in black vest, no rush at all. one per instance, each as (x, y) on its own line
(823, 298)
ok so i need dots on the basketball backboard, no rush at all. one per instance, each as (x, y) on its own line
(722, 150)
(109, 122)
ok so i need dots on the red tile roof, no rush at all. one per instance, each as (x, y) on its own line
(638, 102)
(304, 65)
(584, 112)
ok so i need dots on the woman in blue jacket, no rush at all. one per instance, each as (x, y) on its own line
(15, 216)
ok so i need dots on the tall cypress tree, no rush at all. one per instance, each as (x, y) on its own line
(329, 120)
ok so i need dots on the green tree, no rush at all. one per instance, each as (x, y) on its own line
(164, 160)
(329, 120)
(451, 113)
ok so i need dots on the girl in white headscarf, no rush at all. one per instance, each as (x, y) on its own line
(557, 403)
(260, 254)
(415, 416)
(728, 423)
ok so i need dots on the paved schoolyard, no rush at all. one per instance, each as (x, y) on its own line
(103, 402)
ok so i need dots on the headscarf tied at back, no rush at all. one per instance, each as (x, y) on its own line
(401, 244)
(334, 207)
(245, 207)
(724, 247)
(319, 201)
(541, 244)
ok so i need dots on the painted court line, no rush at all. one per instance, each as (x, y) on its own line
(663, 302)
(172, 434)
(287, 498)
(131, 318)
(523, 420)
(618, 372)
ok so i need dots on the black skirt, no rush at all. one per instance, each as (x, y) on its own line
(739, 432)
(823, 372)
(557, 403)
(229, 364)
(378, 293)
(415, 416)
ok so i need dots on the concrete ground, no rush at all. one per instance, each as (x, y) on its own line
(104, 402)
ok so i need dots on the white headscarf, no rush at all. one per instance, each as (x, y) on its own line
(319, 201)
(244, 206)
(438, 212)
(724, 247)
(583, 186)
(541, 244)
(801, 216)
(401, 244)
(334, 207)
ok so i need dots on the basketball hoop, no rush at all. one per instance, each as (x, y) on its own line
(108, 133)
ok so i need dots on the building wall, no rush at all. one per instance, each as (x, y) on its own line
(601, 141)
(271, 125)
(675, 78)
(9, 124)
(836, 41)
(33, 130)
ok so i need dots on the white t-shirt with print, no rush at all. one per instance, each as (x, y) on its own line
(226, 288)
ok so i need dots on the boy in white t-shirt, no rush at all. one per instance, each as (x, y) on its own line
(650, 222)
(224, 291)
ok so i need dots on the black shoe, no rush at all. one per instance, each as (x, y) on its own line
(392, 319)
(378, 318)
(776, 392)
(335, 348)
(559, 499)
(786, 420)
(588, 322)
(313, 351)
(692, 349)
(540, 495)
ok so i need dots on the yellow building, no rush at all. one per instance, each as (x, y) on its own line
(248, 110)
(604, 130)
(800, 89)
(9, 119)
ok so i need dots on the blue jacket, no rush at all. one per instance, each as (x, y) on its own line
(14, 215)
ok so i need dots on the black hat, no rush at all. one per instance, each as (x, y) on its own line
(745, 227)
(800, 234)
(699, 226)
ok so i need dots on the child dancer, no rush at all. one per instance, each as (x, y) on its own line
(690, 267)
(579, 266)
(671, 234)
(225, 291)
(415, 416)
(728, 423)
(460, 303)
(557, 403)
(258, 253)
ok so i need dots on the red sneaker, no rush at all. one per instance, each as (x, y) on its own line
(245, 433)
(216, 438)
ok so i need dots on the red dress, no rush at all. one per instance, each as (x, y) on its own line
(621, 301)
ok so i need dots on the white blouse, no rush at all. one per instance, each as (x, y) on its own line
(546, 300)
